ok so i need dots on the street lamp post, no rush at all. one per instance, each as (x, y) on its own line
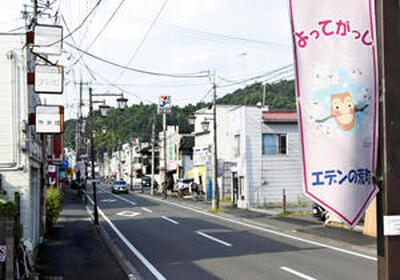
(122, 102)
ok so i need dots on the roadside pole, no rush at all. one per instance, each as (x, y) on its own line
(95, 211)
(388, 206)
(215, 195)
(165, 152)
(131, 164)
(153, 128)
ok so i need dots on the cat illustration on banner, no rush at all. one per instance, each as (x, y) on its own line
(343, 110)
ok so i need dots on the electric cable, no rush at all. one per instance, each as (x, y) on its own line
(101, 31)
(143, 39)
(78, 27)
(142, 71)
(222, 36)
(284, 68)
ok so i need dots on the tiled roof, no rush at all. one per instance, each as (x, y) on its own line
(280, 116)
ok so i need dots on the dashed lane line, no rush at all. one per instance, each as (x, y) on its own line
(170, 220)
(299, 274)
(214, 239)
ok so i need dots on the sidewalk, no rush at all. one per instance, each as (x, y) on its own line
(74, 249)
(307, 226)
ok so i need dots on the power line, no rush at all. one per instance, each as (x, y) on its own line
(154, 85)
(206, 94)
(78, 27)
(276, 71)
(101, 31)
(117, 87)
(222, 36)
(143, 39)
(182, 75)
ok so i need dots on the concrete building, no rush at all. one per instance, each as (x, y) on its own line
(20, 147)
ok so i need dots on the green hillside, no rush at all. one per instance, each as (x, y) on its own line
(136, 121)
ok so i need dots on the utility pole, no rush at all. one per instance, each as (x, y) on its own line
(165, 152)
(131, 164)
(388, 206)
(95, 212)
(78, 144)
(215, 196)
(153, 130)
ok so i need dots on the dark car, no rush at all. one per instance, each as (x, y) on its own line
(119, 186)
(146, 182)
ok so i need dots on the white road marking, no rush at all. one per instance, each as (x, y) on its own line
(135, 251)
(299, 274)
(147, 210)
(170, 220)
(214, 239)
(128, 214)
(108, 200)
(270, 231)
(124, 199)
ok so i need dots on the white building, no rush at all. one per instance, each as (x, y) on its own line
(258, 154)
(20, 146)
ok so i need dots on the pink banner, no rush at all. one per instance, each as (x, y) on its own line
(337, 93)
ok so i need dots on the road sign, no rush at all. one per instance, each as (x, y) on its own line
(49, 79)
(3, 253)
(48, 39)
(337, 88)
(164, 104)
(58, 150)
(49, 119)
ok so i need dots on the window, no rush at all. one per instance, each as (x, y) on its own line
(274, 144)
(237, 145)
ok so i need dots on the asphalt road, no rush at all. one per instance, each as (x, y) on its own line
(165, 240)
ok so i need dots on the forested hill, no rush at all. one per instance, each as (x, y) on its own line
(137, 120)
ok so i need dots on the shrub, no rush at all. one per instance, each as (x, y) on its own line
(7, 208)
(54, 205)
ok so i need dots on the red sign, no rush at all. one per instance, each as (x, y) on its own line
(57, 148)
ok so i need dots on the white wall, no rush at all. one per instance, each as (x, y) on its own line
(283, 171)
(20, 174)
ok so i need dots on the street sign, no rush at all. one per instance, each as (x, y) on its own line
(48, 39)
(58, 150)
(3, 253)
(337, 93)
(49, 119)
(49, 79)
(164, 104)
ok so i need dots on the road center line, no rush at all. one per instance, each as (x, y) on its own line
(135, 251)
(121, 198)
(170, 220)
(147, 210)
(299, 274)
(214, 239)
(270, 231)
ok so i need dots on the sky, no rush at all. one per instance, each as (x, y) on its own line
(237, 39)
